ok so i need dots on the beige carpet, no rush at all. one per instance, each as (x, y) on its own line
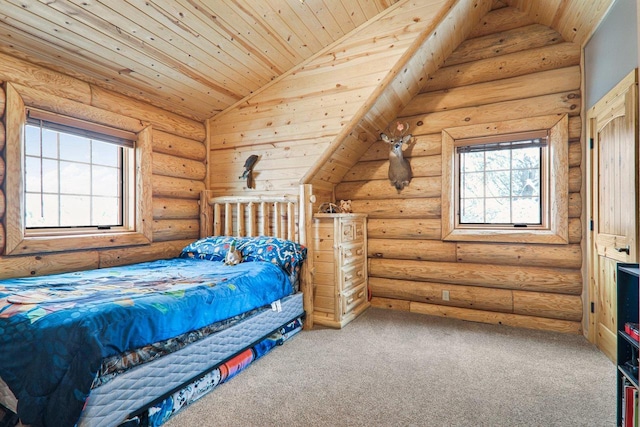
(390, 368)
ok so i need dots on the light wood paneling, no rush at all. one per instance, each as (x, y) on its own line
(195, 58)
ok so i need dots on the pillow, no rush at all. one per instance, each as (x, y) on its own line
(286, 254)
(213, 248)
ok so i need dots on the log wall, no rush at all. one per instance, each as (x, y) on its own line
(509, 68)
(178, 168)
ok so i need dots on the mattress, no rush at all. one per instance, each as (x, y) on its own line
(113, 402)
(161, 411)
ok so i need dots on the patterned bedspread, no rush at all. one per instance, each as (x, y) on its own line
(55, 330)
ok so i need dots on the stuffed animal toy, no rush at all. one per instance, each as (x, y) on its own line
(234, 256)
(345, 206)
(328, 207)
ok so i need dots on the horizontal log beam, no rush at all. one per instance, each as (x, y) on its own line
(558, 256)
(175, 229)
(379, 169)
(168, 165)
(397, 228)
(399, 208)
(165, 186)
(539, 279)
(459, 296)
(503, 42)
(47, 101)
(505, 66)
(557, 103)
(508, 319)
(426, 250)
(39, 265)
(514, 88)
(161, 119)
(421, 145)
(178, 146)
(152, 252)
(555, 306)
(391, 303)
(25, 73)
(499, 20)
(169, 208)
(419, 187)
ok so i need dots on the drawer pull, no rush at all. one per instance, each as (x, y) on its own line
(359, 252)
(360, 294)
(350, 300)
(359, 273)
(348, 277)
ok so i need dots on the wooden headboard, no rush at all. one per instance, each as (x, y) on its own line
(288, 217)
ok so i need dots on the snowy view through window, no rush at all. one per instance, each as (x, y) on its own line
(500, 187)
(71, 181)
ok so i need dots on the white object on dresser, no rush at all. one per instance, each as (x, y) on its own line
(340, 280)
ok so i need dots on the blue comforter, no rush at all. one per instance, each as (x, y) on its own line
(55, 330)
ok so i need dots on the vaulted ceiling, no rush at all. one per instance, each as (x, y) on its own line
(199, 57)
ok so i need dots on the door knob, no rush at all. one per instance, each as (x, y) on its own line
(625, 249)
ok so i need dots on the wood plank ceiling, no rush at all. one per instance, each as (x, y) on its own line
(195, 57)
(198, 57)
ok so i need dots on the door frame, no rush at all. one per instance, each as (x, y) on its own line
(591, 253)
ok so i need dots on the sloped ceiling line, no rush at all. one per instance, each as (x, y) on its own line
(433, 45)
(321, 102)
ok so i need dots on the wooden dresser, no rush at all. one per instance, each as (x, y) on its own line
(340, 261)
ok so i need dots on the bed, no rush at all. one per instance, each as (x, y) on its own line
(132, 345)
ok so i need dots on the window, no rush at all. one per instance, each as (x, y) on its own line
(506, 182)
(73, 177)
(499, 183)
(74, 180)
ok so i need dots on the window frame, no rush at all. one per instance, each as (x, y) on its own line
(20, 242)
(543, 169)
(123, 141)
(555, 189)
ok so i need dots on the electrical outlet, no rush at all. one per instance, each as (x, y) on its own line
(445, 295)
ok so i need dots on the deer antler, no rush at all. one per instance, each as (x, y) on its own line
(398, 131)
(391, 136)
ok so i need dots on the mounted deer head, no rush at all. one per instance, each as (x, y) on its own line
(399, 168)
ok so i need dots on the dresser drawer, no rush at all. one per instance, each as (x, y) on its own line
(353, 298)
(351, 230)
(352, 275)
(351, 253)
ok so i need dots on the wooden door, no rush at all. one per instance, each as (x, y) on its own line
(612, 127)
